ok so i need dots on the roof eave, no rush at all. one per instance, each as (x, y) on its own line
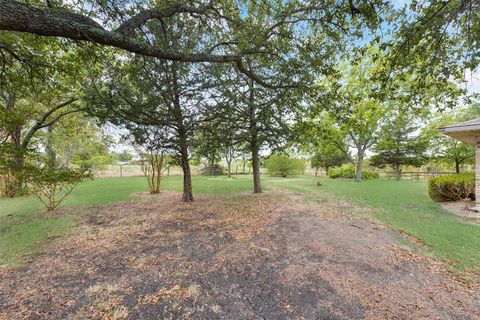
(460, 128)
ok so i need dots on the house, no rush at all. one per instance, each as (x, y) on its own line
(469, 132)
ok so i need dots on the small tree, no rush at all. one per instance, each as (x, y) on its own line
(446, 150)
(284, 165)
(399, 145)
(452, 151)
(153, 167)
(328, 155)
(150, 143)
(299, 166)
(52, 185)
(229, 156)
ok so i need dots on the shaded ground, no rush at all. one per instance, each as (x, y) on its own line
(248, 257)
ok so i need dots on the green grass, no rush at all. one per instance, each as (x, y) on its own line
(403, 205)
(108, 190)
(24, 227)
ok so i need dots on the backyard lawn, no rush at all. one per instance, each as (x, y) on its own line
(342, 250)
(404, 206)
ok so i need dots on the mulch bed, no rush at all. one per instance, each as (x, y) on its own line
(268, 256)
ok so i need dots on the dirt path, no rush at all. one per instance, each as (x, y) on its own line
(249, 257)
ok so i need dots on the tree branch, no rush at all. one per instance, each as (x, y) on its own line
(57, 22)
(143, 16)
(41, 122)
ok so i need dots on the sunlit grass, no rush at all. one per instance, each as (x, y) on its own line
(404, 205)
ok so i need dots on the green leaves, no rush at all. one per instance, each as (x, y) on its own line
(399, 143)
(452, 187)
(328, 155)
(283, 165)
(446, 150)
(348, 171)
(52, 185)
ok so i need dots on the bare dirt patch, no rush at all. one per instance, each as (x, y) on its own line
(462, 209)
(266, 256)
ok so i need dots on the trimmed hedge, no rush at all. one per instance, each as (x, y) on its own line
(454, 187)
(348, 171)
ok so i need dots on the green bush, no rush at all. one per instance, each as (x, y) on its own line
(452, 187)
(348, 171)
(52, 185)
(367, 174)
(283, 165)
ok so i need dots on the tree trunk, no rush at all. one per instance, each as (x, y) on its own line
(316, 171)
(182, 138)
(52, 156)
(159, 165)
(18, 182)
(254, 145)
(229, 168)
(18, 161)
(229, 155)
(257, 186)
(457, 166)
(212, 166)
(359, 166)
(187, 175)
(398, 175)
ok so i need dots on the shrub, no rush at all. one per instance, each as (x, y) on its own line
(367, 174)
(52, 185)
(452, 187)
(153, 165)
(348, 171)
(284, 165)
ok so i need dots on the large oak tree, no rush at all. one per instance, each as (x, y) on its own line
(230, 32)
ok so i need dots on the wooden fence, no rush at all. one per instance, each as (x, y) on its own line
(132, 170)
(135, 170)
(414, 175)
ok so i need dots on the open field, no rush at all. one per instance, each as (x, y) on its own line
(376, 249)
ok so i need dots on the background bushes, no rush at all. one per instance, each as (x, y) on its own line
(452, 188)
(283, 165)
(348, 172)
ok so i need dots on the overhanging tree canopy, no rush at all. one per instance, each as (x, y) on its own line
(229, 34)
